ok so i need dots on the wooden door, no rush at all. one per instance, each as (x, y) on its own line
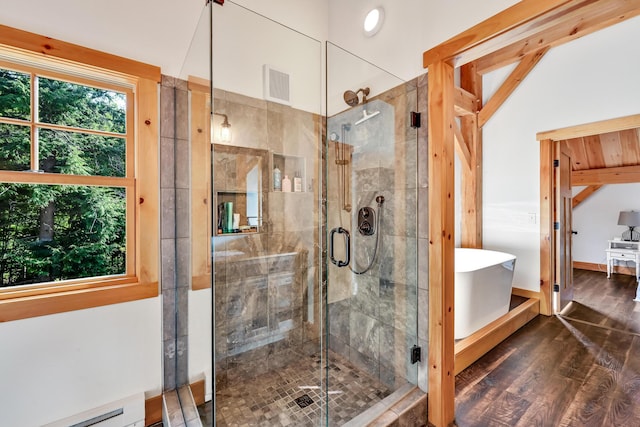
(563, 284)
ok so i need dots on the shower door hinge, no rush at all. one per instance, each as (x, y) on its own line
(556, 287)
(415, 119)
(416, 354)
(556, 163)
(556, 226)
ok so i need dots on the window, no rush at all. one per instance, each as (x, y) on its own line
(78, 180)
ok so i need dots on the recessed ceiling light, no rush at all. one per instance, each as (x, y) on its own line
(373, 21)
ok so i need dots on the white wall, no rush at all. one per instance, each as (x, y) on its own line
(157, 32)
(306, 16)
(593, 78)
(410, 28)
(596, 220)
(55, 366)
(244, 41)
(200, 349)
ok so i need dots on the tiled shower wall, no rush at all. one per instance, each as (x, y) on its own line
(292, 226)
(267, 283)
(375, 318)
(175, 228)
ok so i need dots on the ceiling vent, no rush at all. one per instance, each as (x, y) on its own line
(276, 85)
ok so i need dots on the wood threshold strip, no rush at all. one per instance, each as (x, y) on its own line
(58, 49)
(478, 344)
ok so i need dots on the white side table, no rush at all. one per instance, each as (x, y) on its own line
(621, 250)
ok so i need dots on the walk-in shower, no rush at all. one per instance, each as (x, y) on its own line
(299, 340)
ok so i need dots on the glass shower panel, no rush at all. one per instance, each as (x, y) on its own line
(371, 193)
(267, 245)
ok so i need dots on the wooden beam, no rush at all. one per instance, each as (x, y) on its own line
(584, 194)
(465, 103)
(493, 33)
(527, 26)
(590, 129)
(481, 342)
(511, 83)
(441, 376)
(471, 178)
(462, 148)
(619, 175)
(586, 20)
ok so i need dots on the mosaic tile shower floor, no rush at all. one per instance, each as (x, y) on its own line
(270, 399)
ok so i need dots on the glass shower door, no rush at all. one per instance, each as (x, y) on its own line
(371, 211)
(267, 81)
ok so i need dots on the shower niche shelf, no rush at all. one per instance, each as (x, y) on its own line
(290, 166)
(240, 182)
(247, 204)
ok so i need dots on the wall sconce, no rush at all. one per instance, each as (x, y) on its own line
(225, 128)
(631, 219)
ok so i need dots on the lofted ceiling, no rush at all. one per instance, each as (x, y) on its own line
(606, 150)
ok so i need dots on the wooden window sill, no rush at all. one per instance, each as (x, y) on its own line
(23, 307)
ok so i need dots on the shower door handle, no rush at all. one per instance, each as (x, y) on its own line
(339, 263)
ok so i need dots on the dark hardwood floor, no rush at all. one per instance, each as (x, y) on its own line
(579, 369)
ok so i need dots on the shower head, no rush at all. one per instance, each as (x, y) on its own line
(380, 200)
(352, 99)
(366, 116)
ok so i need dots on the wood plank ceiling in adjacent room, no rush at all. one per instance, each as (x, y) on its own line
(607, 150)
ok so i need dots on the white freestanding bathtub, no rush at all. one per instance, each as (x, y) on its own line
(483, 280)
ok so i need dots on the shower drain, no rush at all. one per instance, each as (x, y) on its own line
(304, 401)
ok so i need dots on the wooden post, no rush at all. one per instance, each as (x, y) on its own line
(546, 226)
(441, 244)
(471, 201)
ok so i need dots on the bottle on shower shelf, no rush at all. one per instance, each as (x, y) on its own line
(286, 184)
(297, 183)
(277, 179)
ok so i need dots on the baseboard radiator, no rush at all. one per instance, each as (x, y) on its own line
(127, 412)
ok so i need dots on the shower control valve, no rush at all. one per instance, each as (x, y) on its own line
(366, 219)
(365, 228)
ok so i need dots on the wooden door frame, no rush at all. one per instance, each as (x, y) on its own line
(503, 39)
(548, 140)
